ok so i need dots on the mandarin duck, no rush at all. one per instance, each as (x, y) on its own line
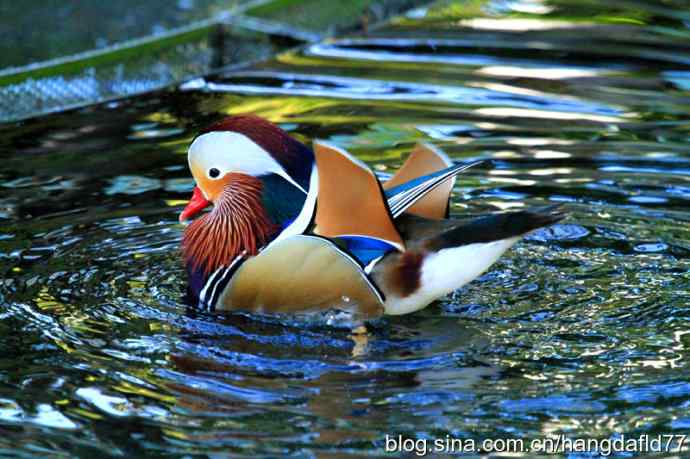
(295, 229)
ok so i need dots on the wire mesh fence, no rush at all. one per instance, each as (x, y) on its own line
(245, 32)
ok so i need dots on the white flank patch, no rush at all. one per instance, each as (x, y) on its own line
(232, 151)
(448, 270)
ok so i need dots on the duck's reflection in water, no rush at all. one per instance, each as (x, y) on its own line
(336, 387)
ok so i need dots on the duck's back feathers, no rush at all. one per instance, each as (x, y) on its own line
(426, 159)
(350, 200)
(438, 235)
(403, 197)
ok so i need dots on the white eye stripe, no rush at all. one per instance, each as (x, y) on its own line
(232, 151)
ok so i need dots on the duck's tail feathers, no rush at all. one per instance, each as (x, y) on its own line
(443, 263)
(496, 227)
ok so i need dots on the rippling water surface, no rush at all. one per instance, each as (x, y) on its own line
(581, 329)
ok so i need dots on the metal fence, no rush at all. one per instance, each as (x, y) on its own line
(245, 32)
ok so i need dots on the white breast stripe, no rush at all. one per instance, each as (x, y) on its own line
(220, 281)
(224, 280)
(209, 283)
(208, 303)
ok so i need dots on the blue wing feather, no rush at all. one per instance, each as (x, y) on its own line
(364, 248)
(401, 197)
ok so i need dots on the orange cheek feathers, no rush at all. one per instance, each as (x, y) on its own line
(212, 188)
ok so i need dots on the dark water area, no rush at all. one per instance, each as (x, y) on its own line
(581, 329)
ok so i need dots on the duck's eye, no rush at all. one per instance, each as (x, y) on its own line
(213, 172)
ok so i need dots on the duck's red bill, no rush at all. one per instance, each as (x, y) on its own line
(195, 205)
